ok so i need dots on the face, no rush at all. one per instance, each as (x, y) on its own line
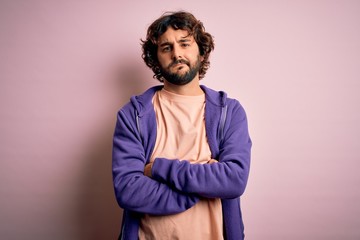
(179, 56)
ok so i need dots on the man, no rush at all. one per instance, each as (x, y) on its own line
(181, 152)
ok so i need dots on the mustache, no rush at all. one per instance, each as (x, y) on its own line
(177, 62)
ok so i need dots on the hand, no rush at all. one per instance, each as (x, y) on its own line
(211, 161)
(147, 170)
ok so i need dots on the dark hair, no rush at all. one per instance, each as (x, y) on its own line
(177, 20)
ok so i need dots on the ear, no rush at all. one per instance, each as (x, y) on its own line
(201, 58)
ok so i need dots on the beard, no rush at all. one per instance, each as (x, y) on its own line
(181, 78)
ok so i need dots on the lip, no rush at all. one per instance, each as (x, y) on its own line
(180, 67)
(178, 64)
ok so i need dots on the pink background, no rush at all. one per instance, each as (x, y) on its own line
(68, 66)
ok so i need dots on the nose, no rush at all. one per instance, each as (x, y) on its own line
(177, 53)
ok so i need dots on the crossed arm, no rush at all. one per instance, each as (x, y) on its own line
(148, 167)
(177, 185)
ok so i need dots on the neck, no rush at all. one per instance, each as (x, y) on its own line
(191, 89)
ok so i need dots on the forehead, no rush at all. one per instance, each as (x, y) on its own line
(172, 35)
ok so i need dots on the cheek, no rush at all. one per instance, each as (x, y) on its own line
(163, 60)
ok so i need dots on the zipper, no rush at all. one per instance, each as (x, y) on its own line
(222, 122)
(138, 123)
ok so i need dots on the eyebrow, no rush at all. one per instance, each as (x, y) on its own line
(165, 44)
(182, 40)
(185, 39)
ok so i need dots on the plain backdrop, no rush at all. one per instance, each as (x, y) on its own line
(66, 67)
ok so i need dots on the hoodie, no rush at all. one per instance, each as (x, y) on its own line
(177, 185)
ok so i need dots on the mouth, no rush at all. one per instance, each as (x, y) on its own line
(179, 64)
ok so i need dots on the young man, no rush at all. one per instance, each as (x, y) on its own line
(181, 152)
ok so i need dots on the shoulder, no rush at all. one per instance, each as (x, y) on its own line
(140, 103)
(221, 98)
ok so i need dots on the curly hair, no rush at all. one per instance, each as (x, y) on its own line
(177, 20)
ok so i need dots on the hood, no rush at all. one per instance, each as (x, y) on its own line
(217, 98)
(143, 102)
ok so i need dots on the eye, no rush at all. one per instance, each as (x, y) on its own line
(185, 45)
(166, 49)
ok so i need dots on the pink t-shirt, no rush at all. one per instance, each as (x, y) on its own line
(181, 135)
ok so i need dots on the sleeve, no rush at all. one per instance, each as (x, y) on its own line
(133, 190)
(225, 179)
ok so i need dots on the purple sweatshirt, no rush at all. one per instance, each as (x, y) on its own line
(176, 185)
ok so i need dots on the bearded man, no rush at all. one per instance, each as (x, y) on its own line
(181, 151)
